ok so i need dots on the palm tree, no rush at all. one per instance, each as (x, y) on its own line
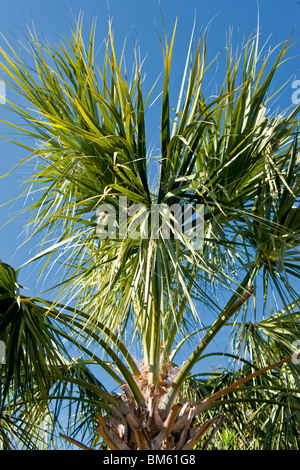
(134, 307)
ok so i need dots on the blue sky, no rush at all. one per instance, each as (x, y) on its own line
(138, 21)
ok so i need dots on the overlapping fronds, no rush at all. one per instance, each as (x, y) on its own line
(225, 156)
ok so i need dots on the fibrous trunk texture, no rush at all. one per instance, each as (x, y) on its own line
(148, 429)
(151, 428)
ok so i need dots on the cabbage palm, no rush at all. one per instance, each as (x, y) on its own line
(135, 307)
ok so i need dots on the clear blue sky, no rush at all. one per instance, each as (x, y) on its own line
(135, 19)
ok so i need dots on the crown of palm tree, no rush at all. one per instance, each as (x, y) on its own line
(139, 298)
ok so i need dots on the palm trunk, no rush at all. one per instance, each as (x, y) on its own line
(151, 428)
